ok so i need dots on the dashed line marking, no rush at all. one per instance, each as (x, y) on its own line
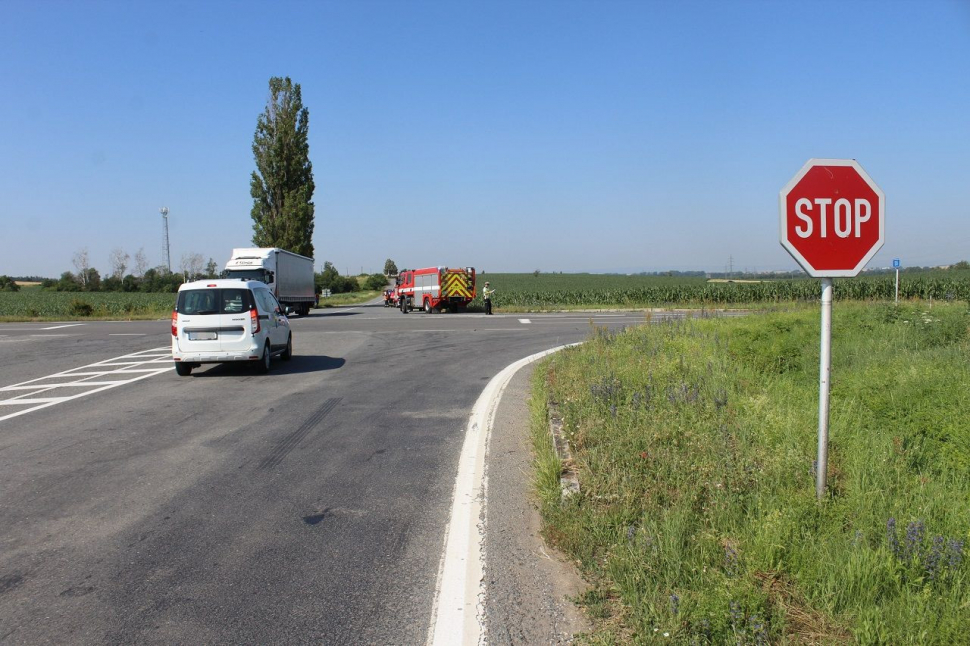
(85, 377)
(58, 327)
(525, 321)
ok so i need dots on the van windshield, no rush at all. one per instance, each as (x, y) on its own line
(249, 274)
(213, 301)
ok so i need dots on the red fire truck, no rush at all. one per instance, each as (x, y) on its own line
(435, 288)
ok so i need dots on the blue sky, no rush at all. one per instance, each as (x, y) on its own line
(512, 136)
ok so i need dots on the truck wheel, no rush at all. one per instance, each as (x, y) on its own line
(427, 306)
(264, 362)
(183, 369)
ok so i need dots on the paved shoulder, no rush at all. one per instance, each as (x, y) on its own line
(527, 584)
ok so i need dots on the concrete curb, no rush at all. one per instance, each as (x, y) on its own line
(568, 480)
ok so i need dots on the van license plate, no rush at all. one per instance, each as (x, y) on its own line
(203, 336)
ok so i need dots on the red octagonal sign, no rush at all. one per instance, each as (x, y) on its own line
(832, 217)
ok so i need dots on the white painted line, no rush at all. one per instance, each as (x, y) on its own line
(458, 612)
(69, 373)
(84, 384)
(45, 400)
(58, 327)
(47, 336)
(118, 363)
(525, 321)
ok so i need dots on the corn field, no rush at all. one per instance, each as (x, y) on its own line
(524, 290)
(37, 303)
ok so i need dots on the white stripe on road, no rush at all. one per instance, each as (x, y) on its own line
(58, 327)
(458, 612)
(525, 321)
(85, 377)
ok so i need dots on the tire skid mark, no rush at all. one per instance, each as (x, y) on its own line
(291, 441)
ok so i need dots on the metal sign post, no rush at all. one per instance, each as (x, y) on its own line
(824, 374)
(896, 265)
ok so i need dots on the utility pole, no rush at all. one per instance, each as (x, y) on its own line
(165, 249)
(730, 266)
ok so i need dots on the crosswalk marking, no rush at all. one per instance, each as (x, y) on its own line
(94, 378)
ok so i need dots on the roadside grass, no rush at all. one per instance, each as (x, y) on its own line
(695, 445)
(350, 298)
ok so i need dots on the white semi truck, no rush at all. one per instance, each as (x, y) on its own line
(289, 275)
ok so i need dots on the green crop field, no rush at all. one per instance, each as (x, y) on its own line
(551, 291)
(41, 304)
(528, 292)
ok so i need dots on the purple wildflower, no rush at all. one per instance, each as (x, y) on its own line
(915, 537)
(954, 553)
(935, 558)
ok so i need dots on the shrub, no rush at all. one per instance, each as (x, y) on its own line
(8, 284)
(80, 308)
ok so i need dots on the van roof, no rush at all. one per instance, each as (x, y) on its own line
(217, 283)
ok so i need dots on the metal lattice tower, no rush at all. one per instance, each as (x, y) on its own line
(165, 250)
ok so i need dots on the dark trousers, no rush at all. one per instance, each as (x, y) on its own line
(488, 305)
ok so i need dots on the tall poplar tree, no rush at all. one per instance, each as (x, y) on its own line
(282, 184)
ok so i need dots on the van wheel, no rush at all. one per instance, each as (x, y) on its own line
(288, 353)
(183, 369)
(263, 366)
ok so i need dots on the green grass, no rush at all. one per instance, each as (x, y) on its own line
(695, 444)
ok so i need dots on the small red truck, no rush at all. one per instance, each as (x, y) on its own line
(435, 288)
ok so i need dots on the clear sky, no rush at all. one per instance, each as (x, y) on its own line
(512, 136)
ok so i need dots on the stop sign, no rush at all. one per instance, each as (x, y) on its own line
(832, 217)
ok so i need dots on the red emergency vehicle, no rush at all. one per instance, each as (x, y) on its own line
(435, 288)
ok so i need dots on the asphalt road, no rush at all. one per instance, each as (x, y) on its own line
(307, 505)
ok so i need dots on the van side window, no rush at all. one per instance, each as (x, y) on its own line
(266, 300)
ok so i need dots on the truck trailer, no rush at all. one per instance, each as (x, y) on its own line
(289, 275)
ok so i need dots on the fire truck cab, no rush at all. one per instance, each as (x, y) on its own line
(435, 288)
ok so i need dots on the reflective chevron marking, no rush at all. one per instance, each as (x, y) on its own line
(455, 284)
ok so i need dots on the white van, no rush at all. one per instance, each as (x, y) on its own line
(228, 320)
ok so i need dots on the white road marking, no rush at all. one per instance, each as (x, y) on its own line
(58, 327)
(525, 321)
(147, 363)
(458, 612)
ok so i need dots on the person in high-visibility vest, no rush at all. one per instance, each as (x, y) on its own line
(487, 297)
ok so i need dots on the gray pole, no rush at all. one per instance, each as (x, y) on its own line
(168, 257)
(897, 285)
(825, 371)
